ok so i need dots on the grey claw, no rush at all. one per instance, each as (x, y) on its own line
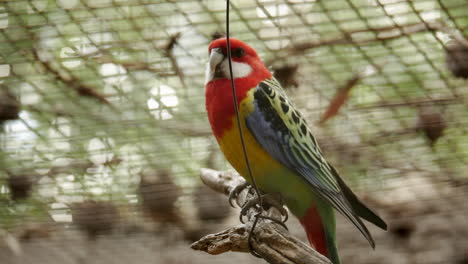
(235, 192)
(268, 201)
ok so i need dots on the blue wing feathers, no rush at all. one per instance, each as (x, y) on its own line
(296, 149)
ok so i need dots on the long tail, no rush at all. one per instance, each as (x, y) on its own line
(319, 224)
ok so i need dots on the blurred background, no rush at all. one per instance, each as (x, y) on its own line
(103, 124)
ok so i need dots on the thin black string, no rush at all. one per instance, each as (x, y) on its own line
(236, 107)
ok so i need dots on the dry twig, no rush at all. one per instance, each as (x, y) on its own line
(382, 34)
(270, 240)
(358, 37)
(343, 94)
(339, 99)
(169, 49)
(71, 82)
(415, 102)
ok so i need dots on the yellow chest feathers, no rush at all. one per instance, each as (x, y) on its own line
(230, 143)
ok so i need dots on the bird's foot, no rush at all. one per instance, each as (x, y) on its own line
(265, 202)
(236, 191)
(262, 204)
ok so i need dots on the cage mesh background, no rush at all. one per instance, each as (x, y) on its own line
(110, 90)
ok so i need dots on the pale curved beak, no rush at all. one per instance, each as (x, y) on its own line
(216, 57)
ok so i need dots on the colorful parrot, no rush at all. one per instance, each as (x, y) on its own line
(284, 155)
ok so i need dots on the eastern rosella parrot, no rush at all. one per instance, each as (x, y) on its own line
(284, 155)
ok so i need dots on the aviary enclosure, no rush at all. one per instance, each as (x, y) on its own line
(104, 128)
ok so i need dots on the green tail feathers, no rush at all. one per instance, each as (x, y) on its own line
(319, 224)
(332, 250)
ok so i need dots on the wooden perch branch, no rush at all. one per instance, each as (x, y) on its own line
(270, 240)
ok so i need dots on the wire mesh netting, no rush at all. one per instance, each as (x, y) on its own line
(104, 126)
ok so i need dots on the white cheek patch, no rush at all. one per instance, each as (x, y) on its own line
(239, 69)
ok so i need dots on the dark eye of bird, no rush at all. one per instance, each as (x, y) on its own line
(239, 52)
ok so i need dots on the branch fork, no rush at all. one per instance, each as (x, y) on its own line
(270, 240)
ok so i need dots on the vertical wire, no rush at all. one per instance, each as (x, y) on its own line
(236, 107)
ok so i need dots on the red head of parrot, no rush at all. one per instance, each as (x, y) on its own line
(248, 70)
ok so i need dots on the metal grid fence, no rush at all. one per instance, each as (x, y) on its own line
(97, 93)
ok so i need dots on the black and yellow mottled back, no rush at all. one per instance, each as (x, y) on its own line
(283, 132)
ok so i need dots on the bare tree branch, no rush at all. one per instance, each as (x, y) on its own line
(270, 240)
(71, 82)
(170, 54)
(415, 102)
(382, 34)
(359, 37)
